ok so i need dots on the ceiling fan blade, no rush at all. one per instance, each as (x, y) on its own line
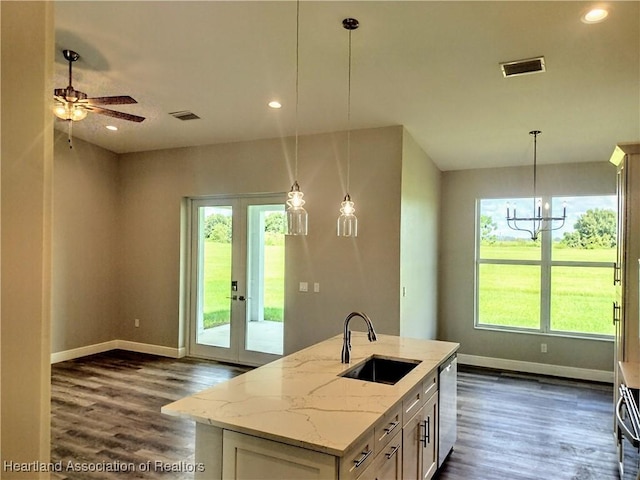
(115, 100)
(114, 114)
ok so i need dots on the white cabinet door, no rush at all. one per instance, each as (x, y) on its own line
(245, 457)
(429, 441)
(420, 443)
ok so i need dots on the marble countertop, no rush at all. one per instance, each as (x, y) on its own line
(300, 399)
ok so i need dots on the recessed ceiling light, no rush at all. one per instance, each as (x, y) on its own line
(275, 104)
(111, 127)
(595, 15)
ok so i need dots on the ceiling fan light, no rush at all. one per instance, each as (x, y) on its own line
(78, 113)
(69, 111)
(60, 111)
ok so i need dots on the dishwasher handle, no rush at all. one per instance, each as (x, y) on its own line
(627, 400)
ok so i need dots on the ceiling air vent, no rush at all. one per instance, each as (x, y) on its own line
(522, 67)
(184, 115)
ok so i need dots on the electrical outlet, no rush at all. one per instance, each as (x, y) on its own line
(136, 322)
(316, 287)
(543, 348)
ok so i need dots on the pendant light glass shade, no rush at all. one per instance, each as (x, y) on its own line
(347, 221)
(296, 214)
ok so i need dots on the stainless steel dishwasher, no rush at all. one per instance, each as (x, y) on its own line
(447, 403)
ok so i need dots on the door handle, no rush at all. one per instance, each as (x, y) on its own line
(616, 312)
(242, 298)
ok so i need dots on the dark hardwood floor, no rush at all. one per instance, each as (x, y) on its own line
(106, 414)
(524, 427)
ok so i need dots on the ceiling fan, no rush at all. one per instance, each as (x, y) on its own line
(73, 105)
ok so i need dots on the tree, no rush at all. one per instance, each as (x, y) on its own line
(275, 223)
(217, 227)
(487, 227)
(594, 229)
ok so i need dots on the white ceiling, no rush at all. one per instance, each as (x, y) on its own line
(430, 66)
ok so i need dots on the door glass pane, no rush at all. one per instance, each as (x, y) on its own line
(498, 239)
(509, 295)
(265, 278)
(581, 299)
(214, 276)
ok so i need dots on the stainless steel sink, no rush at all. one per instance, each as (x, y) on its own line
(381, 369)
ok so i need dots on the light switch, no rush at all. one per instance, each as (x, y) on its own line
(304, 287)
(316, 287)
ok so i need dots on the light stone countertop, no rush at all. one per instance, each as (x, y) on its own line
(300, 399)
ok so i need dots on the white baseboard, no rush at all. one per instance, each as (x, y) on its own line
(151, 349)
(118, 345)
(83, 351)
(538, 368)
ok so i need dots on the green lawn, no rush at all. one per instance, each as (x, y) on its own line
(217, 283)
(509, 296)
(581, 297)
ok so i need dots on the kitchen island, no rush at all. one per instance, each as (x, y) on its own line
(297, 417)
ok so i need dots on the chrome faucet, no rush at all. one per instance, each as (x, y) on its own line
(346, 343)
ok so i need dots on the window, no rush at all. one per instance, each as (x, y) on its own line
(560, 284)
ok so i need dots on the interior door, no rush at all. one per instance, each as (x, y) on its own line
(236, 286)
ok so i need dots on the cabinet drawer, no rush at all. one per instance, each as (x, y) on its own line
(358, 458)
(412, 402)
(430, 385)
(387, 428)
(388, 462)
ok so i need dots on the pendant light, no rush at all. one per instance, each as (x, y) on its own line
(347, 221)
(297, 218)
(536, 222)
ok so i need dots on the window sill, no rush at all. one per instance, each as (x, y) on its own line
(569, 335)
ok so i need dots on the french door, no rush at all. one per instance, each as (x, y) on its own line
(236, 292)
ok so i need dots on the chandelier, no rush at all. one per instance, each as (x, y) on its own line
(536, 222)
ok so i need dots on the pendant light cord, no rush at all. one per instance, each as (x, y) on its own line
(297, 84)
(349, 120)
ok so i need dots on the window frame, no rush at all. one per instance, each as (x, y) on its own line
(546, 264)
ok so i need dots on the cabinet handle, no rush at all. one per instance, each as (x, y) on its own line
(424, 439)
(425, 424)
(390, 428)
(417, 400)
(393, 451)
(364, 456)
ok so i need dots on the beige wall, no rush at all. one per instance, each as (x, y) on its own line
(27, 157)
(460, 189)
(419, 242)
(85, 245)
(354, 274)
